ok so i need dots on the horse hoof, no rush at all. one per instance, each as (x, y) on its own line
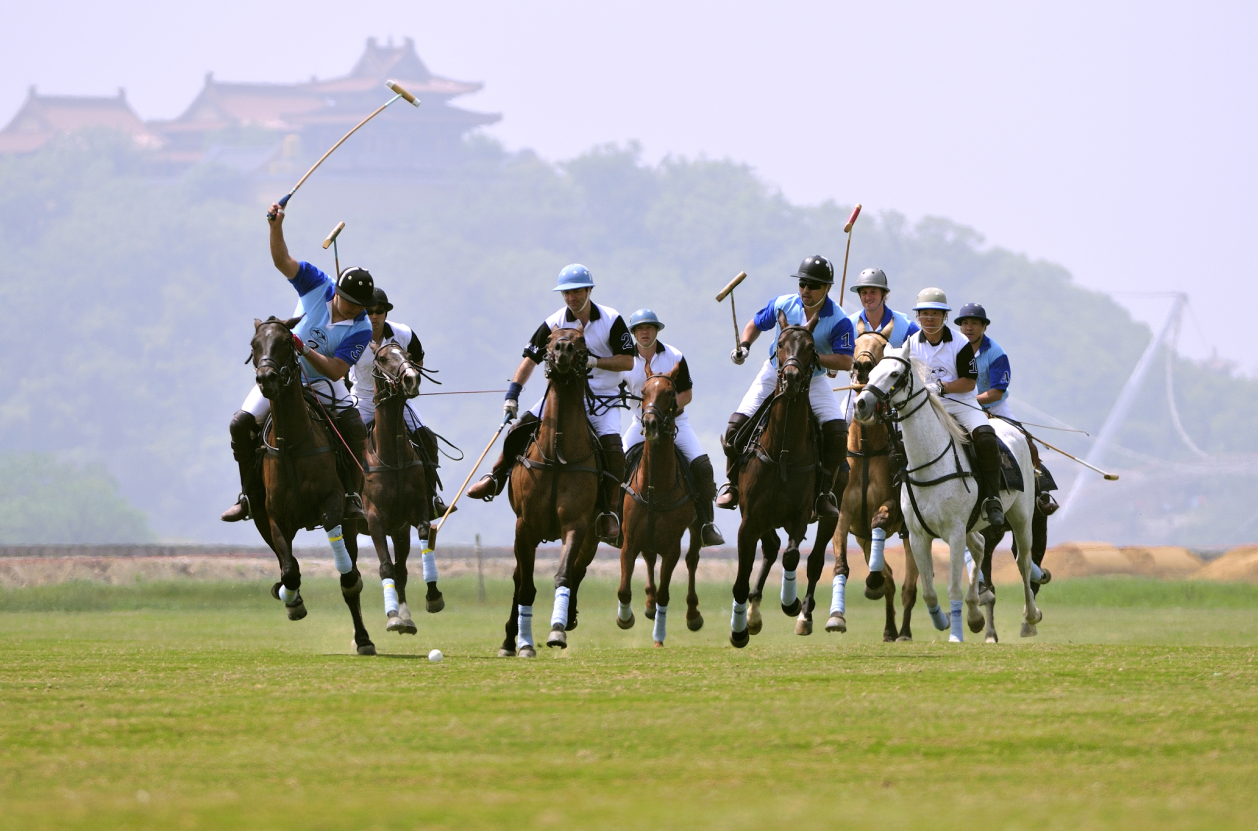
(954, 639)
(755, 621)
(408, 627)
(986, 596)
(395, 624)
(874, 585)
(993, 639)
(626, 624)
(527, 652)
(695, 624)
(659, 644)
(367, 648)
(572, 621)
(904, 639)
(558, 638)
(504, 652)
(1046, 576)
(435, 605)
(793, 609)
(803, 626)
(836, 623)
(297, 611)
(1028, 630)
(1039, 616)
(648, 612)
(976, 624)
(739, 639)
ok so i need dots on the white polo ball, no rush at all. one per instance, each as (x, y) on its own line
(435, 656)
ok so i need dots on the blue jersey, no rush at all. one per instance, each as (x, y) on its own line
(834, 334)
(993, 367)
(899, 332)
(345, 339)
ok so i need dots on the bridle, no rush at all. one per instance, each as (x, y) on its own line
(868, 353)
(668, 420)
(905, 382)
(390, 385)
(287, 372)
(793, 360)
(579, 360)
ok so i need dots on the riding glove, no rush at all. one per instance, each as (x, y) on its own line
(511, 407)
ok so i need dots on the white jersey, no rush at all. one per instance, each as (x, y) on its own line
(362, 374)
(605, 336)
(662, 362)
(950, 359)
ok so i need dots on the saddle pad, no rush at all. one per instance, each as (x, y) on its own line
(1009, 469)
(634, 458)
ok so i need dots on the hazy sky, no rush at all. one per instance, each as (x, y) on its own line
(1116, 139)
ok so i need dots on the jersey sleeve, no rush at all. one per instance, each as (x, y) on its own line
(998, 373)
(683, 382)
(619, 339)
(967, 364)
(309, 278)
(535, 349)
(913, 328)
(767, 317)
(843, 337)
(415, 349)
(352, 348)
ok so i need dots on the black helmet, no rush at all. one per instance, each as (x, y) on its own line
(974, 310)
(817, 269)
(356, 286)
(380, 300)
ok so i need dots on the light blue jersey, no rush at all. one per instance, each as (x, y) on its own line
(834, 334)
(345, 339)
(993, 373)
(899, 332)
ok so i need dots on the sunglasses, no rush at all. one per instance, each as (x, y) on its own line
(377, 311)
(810, 285)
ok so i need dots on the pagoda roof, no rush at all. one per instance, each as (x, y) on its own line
(43, 117)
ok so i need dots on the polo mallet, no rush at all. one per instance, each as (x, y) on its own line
(729, 289)
(432, 532)
(847, 229)
(331, 240)
(400, 93)
(1111, 477)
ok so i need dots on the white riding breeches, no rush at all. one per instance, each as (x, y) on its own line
(820, 395)
(413, 421)
(965, 409)
(604, 424)
(332, 394)
(1001, 407)
(687, 441)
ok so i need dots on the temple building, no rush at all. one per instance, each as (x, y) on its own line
(44, 117)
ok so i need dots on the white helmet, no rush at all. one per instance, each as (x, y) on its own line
(932, 298)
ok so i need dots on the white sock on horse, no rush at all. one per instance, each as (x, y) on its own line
(289, 595)
(661, 618)
(838, 599)
(430, 565)
(789, 588)
(738, 621)
(390, 596)
(969, 565)
(525, 623)
(559, 617)
(624, 611)
(876, 557)
(340, 554)
(958, 630)
(938, 618)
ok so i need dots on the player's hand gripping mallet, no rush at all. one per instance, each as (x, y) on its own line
(847, 229)
(432, 532)
(331, 240)
(399, 91)
(729, 289)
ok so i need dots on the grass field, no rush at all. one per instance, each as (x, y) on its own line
(201, 706)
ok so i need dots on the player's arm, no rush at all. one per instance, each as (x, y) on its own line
(998, 374)
(685, 386)
(332, 368)
(279, 248)
(967, 372)
(621, 343)
(842, 344)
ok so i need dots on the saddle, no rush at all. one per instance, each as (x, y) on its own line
(1009, 470)
(749, 432)
(633, 460)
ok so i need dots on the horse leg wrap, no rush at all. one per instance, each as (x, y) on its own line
(838, 600)
(1036, 573)
(340, 554)
(390, 597)
(430, 565)
(958, 631)
(738, 621)
(789, 587)
(289, 595)
(559, 617)
(877, 559)
(525, 636)
(624, 611)
(938, 618)
(969, 565)
(661, 613)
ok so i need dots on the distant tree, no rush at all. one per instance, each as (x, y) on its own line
(46, 501)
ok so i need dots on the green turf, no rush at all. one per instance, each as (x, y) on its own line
(200, 706)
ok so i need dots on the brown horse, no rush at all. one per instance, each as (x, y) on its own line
(658, 509)
(872, 501)
(777, 479)
(299, 474)
(554, 493)
(397, 495)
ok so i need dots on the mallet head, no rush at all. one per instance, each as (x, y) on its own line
(733, 284)
(340, 226)
(851, 220)
(400, 90)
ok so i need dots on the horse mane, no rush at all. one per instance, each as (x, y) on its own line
(950, 424)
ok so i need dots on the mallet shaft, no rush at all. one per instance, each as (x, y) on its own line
(1112, 477)
(432, 532)
(847, 229)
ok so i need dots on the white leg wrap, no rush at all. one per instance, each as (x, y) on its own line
(969, 565)
(838, 600)
(340, 554)
(288, 595)
(624, 611)
(958, 630)
(430, 566)
(738, 621)
(390, 596)
(876, 558)
(1036, 574)
(661, 617)
(559, 617)
(788, 587)
(525, 636)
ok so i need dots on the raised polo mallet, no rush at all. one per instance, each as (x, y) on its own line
(729, 289)
(400, 93)
(847, 229)
(331, 240)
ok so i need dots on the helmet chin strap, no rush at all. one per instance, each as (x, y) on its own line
(814, 305)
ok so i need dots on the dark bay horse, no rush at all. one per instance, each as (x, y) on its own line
(299, 474)
(397, 495)
(777, 479)
(554, 493)
(658, 509)
(871, 503)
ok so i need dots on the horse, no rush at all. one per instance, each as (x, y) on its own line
(940, 507)
(870, 509)
(397, 494)
(658, 508)
(777, 480)
(299, 475)
(554, 493)
(1040, 576)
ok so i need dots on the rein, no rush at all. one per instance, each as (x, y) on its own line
(649, 500)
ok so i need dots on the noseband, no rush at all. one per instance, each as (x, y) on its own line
(794, 361)
(905, 383)
(288, 371)
(392, 384)
(579, 360)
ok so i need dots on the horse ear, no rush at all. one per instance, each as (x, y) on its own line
(860, 326)
(554, 329)
(782, 319)
(257, 324)
(649, 373)
(580, 328)
(674, 372)
(812, 324)
(293, 321)
(885, 331)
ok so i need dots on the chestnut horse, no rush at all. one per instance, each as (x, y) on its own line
(871, 503)
(299, 474)
(777, 479)
(658, 508)
(397, 495)
(554, 493)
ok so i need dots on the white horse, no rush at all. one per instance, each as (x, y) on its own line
(940, 491)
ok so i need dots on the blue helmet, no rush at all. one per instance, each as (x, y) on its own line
(974, 310)
(644, 316)
(575, 276)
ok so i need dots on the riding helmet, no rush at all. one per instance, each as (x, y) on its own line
(356, 286)
(575, 276)
(380, 300)
(645, 316)
(974, 310)
(932, 298)
(816, 268)
(871, 278)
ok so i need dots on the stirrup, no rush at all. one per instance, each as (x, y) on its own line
(710, 535)
(829, 502)
(607, 529)
(993, 511)
(246, 511)
(493, 491)
(728, 492)
(354, 507)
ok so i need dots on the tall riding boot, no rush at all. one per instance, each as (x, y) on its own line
(705, 493)
(350, 424)
(728, 497)
(244, 433)
(833, 457)
(513, 446)
(607, 527)
(987, 449)
(427, 441)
